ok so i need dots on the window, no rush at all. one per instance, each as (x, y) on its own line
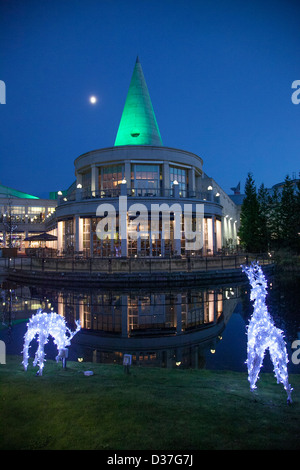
(179, 175)
(86, 181)
(36, 214)
(69, 236)
(145, 179)
(36, 210)
(111, 176)
(17, 210)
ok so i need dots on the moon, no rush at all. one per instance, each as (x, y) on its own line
(93, 99)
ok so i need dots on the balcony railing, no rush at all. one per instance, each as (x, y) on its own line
(84, 194)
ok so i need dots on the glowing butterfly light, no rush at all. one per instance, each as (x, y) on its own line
(262, 334)
(44, 324)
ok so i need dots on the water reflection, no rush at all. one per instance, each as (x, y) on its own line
(159, 327)
(166, 328)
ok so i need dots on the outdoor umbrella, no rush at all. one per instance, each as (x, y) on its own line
(44, 237)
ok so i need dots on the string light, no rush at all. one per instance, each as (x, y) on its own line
(262, 334)
(44, 325)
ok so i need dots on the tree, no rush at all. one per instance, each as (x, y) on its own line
(249, 231)
(288, 215)
(274, 219)
(263, 217)
(297, 215)
(9, 225)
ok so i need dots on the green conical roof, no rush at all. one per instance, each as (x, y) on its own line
(138, 124)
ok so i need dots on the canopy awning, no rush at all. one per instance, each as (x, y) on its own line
(42, 237)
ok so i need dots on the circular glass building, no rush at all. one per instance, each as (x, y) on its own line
(140, 198)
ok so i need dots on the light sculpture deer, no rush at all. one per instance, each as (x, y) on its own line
(42, 325)
(262, 334)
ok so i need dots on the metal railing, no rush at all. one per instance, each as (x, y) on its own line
(138, 192)
(131, 265)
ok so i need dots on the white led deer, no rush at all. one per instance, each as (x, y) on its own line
(262, 334)
(42, 325)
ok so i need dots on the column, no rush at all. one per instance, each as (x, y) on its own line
(81, 313)
(219, 234)
(224, 230)
(230, 227)
(213, 219)
(192, 182)
(91, 238)
(211, 306)
(166, 179)
(138, 242)
(60, 305)
(210, 246)
(94, 180)
(123, 231)
(162, 234)
(128, 173)
(234, 233)
(78, 233)
(60, 228)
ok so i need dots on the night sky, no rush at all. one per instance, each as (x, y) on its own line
(219, 75)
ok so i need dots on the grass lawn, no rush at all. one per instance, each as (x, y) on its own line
(149, 409)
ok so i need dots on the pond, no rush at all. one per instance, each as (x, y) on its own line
(199, 327)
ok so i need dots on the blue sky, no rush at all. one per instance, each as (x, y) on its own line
(219, 75)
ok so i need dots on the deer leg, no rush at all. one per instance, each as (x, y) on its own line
(29, 335)
(254, 362)
(279, 358)
(40, 353)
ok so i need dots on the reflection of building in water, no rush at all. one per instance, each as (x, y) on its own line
(159, 328)
(17, 304)
(135, 313)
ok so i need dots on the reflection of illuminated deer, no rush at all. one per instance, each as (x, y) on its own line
(43, 325)
(263, 335)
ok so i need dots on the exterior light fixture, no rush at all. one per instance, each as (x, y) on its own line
(209, 188)
(175, 182)
(217, 194)
(124, 181)
(79, 186)
(59, 193)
